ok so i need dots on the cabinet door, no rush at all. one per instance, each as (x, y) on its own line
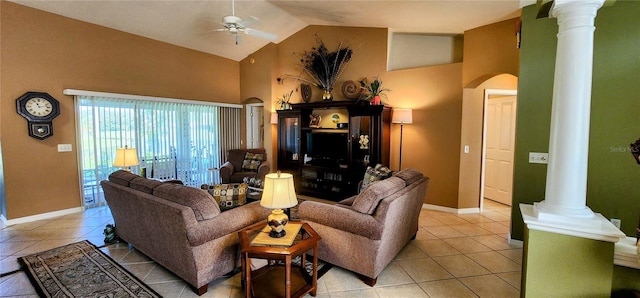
(288, 139)
(361, 140)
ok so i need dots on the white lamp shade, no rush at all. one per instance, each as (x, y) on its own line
(274, 118)
(403, 116)
(126, 157)
(279, 191)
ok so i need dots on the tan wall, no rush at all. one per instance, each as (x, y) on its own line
(472, 124)
(256, 80)
(430, 144)
(491, 49)
(47, 52)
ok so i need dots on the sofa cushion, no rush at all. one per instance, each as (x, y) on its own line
(378, 173)
(122, 177)
(203, 205)
(409, 176)
(229, 195)
(252, 161)
(144, 185)
(368, 199)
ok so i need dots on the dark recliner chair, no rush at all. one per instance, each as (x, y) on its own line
(240, 165)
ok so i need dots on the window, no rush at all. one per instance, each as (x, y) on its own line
(174, 139)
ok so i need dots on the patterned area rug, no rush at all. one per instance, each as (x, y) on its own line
(81, 270)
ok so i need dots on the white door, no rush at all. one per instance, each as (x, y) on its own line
(255, 126)
(500, 134)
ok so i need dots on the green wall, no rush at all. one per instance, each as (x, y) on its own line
(556, 265)
(613, 176)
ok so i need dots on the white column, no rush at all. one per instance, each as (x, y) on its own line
(566, 188)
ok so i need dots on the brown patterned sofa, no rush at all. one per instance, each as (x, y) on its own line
(179, 227)
(365, 232)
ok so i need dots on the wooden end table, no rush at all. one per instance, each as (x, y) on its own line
(267, 281)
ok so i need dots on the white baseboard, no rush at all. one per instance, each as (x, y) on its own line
(451, 210)
(20, 220)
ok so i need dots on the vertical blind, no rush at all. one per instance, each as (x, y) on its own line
(173, 139)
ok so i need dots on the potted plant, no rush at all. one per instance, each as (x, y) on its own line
(322, 68)
(283, 101)
(373, 90)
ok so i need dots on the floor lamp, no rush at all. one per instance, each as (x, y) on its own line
(401, 116)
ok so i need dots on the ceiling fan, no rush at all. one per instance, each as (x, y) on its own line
(235, 25)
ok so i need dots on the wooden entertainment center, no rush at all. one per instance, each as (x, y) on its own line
(329, 154)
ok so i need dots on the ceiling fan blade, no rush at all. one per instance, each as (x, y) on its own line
(244, 23)
(261, 34)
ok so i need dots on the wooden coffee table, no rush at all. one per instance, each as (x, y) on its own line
(279, 278)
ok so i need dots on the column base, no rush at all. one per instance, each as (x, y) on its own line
(597, 227)
(568, 216)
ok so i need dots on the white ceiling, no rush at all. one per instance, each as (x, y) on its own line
(192, 24)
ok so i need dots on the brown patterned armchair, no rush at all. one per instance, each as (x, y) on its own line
(241, 163)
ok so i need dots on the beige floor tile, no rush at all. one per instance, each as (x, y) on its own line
(450, 219)
(411, 251)
(512, 278)
(428, 221)
(392, 275)
(513, 254)
(340, 280)
(494, 227)
(140, 270)
(405, 291)
(17, 285)
(365, 293)
(423, 234)
(494, 242)
(447, 289)
(135, 256)
(169, 289)
(424, 270)
(490, 286)
(444, 232)
(460, 266)
(495, 215)
(494, 262)
(474, 218)
(471, 230)
(466, 245)
(159, 275)
(43, 245)
(13, 247)
(435, 248)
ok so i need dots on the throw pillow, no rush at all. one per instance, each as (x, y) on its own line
(228, 196)
(368, 200)
(252, 161)
(378, 173)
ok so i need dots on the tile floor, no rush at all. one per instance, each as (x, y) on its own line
(464, 255)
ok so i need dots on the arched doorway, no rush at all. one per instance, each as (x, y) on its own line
(471, 182)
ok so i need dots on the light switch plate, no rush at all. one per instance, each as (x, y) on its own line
(64, 148)
(538, 157)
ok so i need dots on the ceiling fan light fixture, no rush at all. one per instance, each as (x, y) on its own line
(230, 21)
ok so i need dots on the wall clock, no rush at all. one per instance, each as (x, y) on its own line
(39, 109)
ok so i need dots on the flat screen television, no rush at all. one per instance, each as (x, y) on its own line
(327, 147)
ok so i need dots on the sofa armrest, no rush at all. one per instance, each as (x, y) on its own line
(342, 218)
(263, 169)
(227, 222)
(226, 170)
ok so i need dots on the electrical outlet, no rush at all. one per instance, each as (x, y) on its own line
(538, 157)
(616, 222)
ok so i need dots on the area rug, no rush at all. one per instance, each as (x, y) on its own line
(81, 270)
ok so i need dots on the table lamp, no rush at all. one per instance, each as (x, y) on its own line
(126, 157)
(278, 193)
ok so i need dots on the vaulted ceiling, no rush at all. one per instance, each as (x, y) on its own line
(193, 24)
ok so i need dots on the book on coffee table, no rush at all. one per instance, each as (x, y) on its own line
(263, 238)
